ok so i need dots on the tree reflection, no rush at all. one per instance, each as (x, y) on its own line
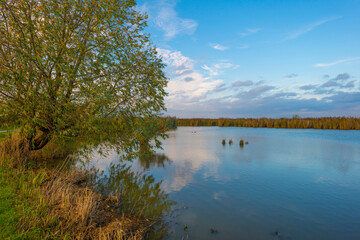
(138, 194)
(153, 160)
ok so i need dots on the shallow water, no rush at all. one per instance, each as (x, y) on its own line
(304, 184)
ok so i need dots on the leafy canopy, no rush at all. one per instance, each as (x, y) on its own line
(78, 67)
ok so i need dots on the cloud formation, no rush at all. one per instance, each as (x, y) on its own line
(342, 77)
(249, 31)
(308, 87)
(242, 83)
(309, 27)
(163, 14)
(336, 96)
(219, 47)
(212, 72)
(330, 86)
(186, 85)
(292, 75)
(337, 62)
(224, 65)
(330, 83)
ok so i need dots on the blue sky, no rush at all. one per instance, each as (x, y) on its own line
(257, 58)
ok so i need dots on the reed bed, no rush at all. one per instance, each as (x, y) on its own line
(340, 123)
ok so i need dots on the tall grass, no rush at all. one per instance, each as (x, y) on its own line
(14, 151)
(76, 211)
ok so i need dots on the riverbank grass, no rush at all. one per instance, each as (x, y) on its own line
(40, 203)
(18, 195)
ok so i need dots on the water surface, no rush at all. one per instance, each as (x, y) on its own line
(304, 184)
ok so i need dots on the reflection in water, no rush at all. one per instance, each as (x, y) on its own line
(153, 160)
(282, 180)
(139, 193)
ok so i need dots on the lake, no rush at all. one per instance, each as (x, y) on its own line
(303, 184)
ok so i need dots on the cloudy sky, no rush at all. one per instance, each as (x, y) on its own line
(260, 58)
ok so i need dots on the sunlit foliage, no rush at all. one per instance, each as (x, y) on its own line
(73, 68)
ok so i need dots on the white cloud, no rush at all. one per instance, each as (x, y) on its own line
(218, 46)
(337, 62)
(186, 85)
(211, 71)
(226, 65)
(249, 31)
(308, 28)
(168, 20)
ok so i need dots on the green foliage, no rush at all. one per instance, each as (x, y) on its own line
(340, 123)
(170, 123)
(79, 68)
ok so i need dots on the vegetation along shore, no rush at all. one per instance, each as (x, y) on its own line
(78, 77)
(340, 123)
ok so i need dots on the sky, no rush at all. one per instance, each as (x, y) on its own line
(238, 58)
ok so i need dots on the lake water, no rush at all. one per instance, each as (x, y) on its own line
(303, 184)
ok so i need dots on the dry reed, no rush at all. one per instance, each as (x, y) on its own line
(73, 210)
(15, 150)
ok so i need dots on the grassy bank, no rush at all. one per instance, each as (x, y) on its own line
(39, 203)
(19, 198)
(3, 135)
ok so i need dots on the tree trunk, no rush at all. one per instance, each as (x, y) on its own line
(40, 141)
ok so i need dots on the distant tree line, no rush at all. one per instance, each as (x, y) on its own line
(341, 123)
(166, 123)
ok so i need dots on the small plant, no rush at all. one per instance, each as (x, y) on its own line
(230, 142)
(241, 143)
(223, 142)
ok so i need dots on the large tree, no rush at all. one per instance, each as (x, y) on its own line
(78, 67)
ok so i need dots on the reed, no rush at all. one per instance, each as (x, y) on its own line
(82, 213)
(341, 123)
(14, 150)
